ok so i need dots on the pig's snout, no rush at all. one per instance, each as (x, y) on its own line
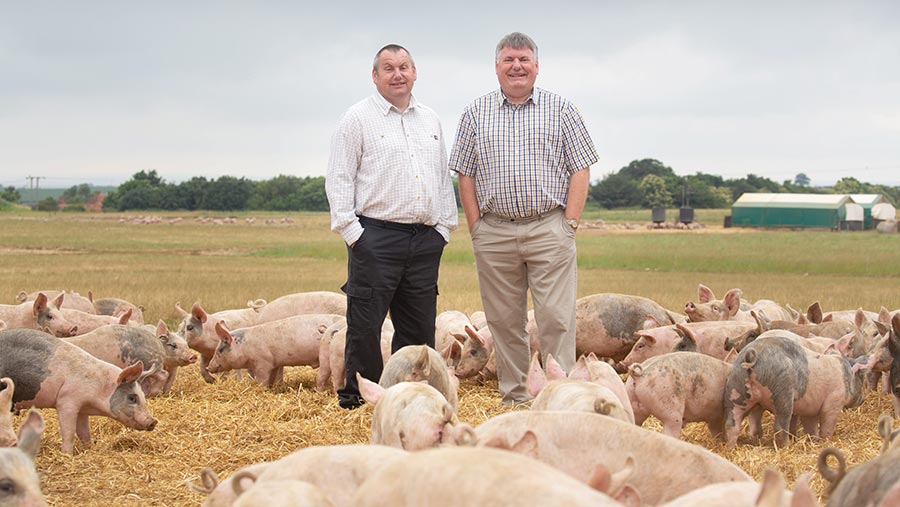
(690, 306)
(192, 359)
(151, 425)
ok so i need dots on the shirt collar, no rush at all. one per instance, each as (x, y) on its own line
(534, 98)
(385, 107)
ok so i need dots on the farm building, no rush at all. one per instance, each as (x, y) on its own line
(867, 201)
(791, 210)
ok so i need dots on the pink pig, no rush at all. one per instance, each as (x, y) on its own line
(678, 388)
(40, 314)
(198, 328)
(62, 376)
(596, 389)
(7, 434)
(303, 303)
(413, 416)
(265, 349)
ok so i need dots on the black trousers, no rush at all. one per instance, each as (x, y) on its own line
(391, 268)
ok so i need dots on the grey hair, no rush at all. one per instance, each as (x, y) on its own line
(516, 40)
(392, 48)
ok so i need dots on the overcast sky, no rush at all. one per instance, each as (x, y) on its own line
(94, 91)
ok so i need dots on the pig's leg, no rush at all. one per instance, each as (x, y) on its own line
(810, 426)
(896, 400)
(784, 409)
(204, 363)
(673, 419)
(754, 423)
(67, 422)
(279, 375)
(716, 428)
(733, 424)
(169, 380)
(83, 428)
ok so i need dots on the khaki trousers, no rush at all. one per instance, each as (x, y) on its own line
(511, 258)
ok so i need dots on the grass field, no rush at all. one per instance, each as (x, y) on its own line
(223, 266)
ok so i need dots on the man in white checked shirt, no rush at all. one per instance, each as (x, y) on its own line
(523, 156)
(392, 202)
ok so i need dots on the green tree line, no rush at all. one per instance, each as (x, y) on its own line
(645, 183)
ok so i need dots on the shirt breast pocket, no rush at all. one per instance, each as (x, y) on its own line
(431, 150)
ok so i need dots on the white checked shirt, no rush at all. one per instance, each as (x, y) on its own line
(521, 155)
(389, 165)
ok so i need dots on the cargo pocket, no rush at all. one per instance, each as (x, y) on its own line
(359, 303)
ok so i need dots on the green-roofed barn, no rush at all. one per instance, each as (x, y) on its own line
(790, 210)
(867, 201)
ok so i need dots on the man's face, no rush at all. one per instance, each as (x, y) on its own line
(394, 77)
(516, 70)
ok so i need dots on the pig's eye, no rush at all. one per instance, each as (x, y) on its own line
(473, 353)
(171, 346)
(715, 308)
(190, 327)
(133, 399)
(49, 317)
(7, 488)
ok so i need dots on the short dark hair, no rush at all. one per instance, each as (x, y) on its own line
(516, 40)
(392, 48)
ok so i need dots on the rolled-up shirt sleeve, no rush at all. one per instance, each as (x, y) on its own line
(340, 180)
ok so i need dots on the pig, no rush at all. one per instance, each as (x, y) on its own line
(19, 482)
(731, 307)
(202, 337)
(477, 354)
(413, 416)
(72, 300)
(606, 323)
(598, 389)
(576, 442)
(863, 485)
(303, 303)
(62, 376)
(413, 363)
(39, 314)
(126, 345)
(337, 470)
(828, 329)
(87, 322)
(7, 434)
(224, 493)
(474, 476)
(711, 338)
(324, 371)
(338, 344)
(450, 334)
(177, 352)
(678, 388)
(265, 349)
(283, 493)
(779, 375)
(770, 492)
(116, 307)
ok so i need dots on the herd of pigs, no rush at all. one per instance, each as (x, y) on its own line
(718, 362)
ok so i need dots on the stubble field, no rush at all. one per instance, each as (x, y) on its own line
(227, 425)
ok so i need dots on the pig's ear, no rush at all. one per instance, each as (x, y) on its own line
(814, 313)
(40, 304)
(125, 317)
(883, 327)
(895, 324)
(180, 310)
(771, 489)
(554, 370)
(30, 433)
(198, 313)
(705, 294)
(828, 318)
(21, 297)
(600, 479)
(161, 329)
(473, 335)
(762, 325)
(370, 391)
(422, 363)
(629, 497)
(223, 333)
(90, 296)
(733, 301)
(131, 373)
(6, 395)
(536, 379)
(794, 313)
(860, 318)
(452, 352)
(527, 445)
(58, 302)
(580, 371)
